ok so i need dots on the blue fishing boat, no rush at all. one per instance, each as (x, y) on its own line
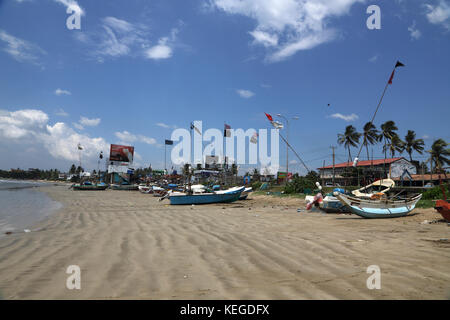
(379, 208)
(205, 198)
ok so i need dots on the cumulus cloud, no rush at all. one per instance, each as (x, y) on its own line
(163, 50)
(350, 117)
(21, 50)
(439, 14)
(245, 93)
(89, 122)
(30, 127)
(126, 137)
(285, 27)
(60, 92)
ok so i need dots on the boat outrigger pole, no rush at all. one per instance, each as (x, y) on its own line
(290, 147)
(398, 64)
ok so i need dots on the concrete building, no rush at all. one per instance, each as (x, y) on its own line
(393, 167)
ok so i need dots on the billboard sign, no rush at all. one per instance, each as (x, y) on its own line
(121, 153)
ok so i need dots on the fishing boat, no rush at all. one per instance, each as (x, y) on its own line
(145, 189)
(178, 198)
(379, 208)
(89, 186)
(245, 193)
(127, 187)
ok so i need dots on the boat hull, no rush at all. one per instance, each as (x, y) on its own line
(377, 209)
(333, 205)
(205, 198)
(89, 188)
(125, 187)
(443, 207)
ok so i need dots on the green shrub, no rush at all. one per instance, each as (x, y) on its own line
(435, 193)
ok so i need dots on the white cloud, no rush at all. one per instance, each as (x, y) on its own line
(264, 38)
(60, 92)
(127, 138)
(31, 127)
(89, 122)
(163, 50)
(21, 50)
(414, 32)
(166, 126)
(118, 38)
(73, 5)
(245, 93)
(160, 51)
(350, 117)
(60, 112)
(439, 14)
(285, 27)
(374, 58)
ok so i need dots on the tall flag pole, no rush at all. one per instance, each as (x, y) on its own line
(276, 126)
(398, 64)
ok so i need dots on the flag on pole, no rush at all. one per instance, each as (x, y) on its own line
(168, 142)
(268, 116)
(398, 64)
(226, 131)
(80, 147)
(277, 125)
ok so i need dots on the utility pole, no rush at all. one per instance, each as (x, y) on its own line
(323, 173)
(333, 147)
(423, 175)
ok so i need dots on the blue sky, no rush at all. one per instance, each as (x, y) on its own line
(138, 69)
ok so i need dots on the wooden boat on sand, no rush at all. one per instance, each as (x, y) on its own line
(380, 208)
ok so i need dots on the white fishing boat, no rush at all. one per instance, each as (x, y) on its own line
(379, 208)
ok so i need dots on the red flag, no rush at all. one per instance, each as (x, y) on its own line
(268, 116)
(392, 77)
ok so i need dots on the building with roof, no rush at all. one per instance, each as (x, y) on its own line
(368, 170)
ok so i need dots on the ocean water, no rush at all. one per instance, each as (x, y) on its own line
(21, 205)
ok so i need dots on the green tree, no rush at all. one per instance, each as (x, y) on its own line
(439, 153)
(73, 169)
(395, 145)
(350, 138)
(371, 136)
(388, 131)
(412, 144)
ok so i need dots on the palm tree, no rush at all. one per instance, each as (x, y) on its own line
(371, 136)
(412, 144)
(388, 132)
(350, 138)
(395, 144)
(439, 153)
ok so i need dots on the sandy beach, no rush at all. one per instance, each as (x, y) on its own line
(131, 246)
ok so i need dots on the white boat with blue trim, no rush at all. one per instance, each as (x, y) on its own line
(379, 208)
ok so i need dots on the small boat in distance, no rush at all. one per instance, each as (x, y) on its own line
(89, 186)
(381, 208)
(127, 187)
